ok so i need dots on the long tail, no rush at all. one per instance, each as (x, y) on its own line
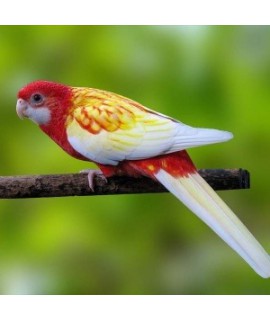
(200, 198)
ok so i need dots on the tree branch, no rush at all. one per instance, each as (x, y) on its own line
(63, 185)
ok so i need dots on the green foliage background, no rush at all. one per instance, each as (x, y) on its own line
(135, 244)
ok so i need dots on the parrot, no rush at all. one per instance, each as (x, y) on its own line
(123, 137)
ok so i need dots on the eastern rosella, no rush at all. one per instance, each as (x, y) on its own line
(125, 138)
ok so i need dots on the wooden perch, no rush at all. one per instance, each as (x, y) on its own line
(63, 185)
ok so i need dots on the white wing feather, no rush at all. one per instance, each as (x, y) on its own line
(152, 135)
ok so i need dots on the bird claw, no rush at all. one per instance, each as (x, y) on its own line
(92, 173)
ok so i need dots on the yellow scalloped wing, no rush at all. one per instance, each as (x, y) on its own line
(107, 128)
(97, 110)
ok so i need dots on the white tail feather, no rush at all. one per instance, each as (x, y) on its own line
(200, 198)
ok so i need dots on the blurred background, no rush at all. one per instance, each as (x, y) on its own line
(217, 77)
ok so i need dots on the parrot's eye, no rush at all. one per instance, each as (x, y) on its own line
(37, 98)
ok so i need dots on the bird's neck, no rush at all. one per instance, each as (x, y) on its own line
(56, 128)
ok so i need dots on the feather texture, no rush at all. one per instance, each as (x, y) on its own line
(108, 130)
(200, 198)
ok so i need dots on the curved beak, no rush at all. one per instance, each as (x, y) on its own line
(21, 108)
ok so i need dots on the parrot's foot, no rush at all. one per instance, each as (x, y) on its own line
(92, 173)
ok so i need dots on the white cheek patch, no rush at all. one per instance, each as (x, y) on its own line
(40, 115)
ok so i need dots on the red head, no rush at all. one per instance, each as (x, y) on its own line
(43, 101)
(47, 104)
